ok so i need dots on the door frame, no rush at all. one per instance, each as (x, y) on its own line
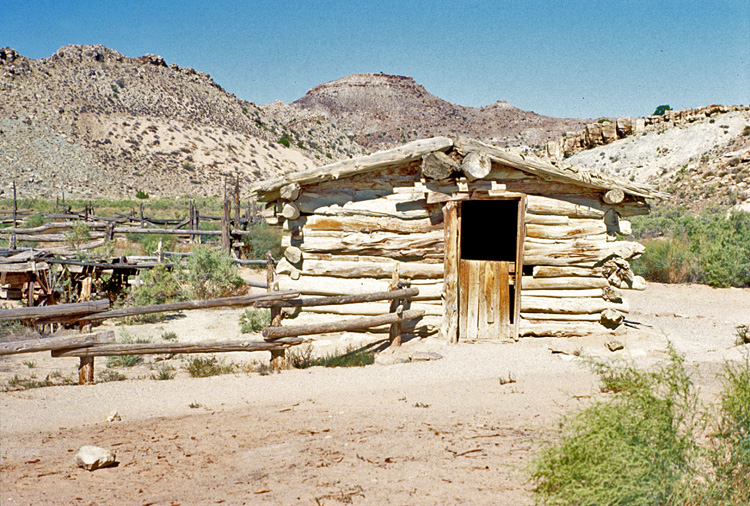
(452, 256)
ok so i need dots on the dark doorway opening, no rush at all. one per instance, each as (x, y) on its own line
(489, 230)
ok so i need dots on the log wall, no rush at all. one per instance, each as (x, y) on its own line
(349, 235)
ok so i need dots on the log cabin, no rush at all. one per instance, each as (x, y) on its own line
(500, 245)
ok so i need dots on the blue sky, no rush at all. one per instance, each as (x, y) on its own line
(559, 58)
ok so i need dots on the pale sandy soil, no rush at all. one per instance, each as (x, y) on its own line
(439, 432)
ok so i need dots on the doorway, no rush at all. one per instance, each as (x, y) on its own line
(490, 240)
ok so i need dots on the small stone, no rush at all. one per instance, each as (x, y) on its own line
(614, 345)
(94, 457)
(424, 356)
(113, 416)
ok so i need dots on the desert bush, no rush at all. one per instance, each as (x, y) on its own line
(712, 247)
(163, 372)
(668, 260)
(158, 286)
(264, 238)
(253, 320)
(284, 141)
(635, 448)
(660, 110)
(140, 194)
(199, 367)
(35, 220)
(210, 273)
(150, 242)
(302, 358)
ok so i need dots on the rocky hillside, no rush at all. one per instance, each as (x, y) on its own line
(381, 111)
(95, 123)
(700, 157)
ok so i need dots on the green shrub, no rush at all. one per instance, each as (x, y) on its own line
(253, 320)
(730, 457)
(210, 273)
(163, 372)
(635, 448)
(199, 367)
(126, 360)
(284, 142)
(140, 194)
(35, 220)
(668, 261)
(264, 238)
(712, 247)
(158, 286)
(301, 358)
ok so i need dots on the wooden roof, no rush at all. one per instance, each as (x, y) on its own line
(269, 190)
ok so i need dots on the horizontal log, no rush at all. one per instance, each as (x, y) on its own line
(381, 207)
(367, 224)
(105, 350)
(583, 317)
(57, 226)
(351, 269)
(544, 205)
(325, 285)
(579, 251)
(416, 245)
(553, 329)
(532, 241)
(36, 312)
(24, 267)
(269, 190)
(562, 293)
(52, 237)
(343, 299)
(545, 219)
(241, 300)
(271, 333)
(373, 308)
(575, 230)
(570, 282)
(530, 304)
(56, 342)
(548, 271)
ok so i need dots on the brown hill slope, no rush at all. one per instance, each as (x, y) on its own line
(95, 123)
(382, 110)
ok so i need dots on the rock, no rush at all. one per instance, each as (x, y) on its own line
(614, 345)
(612, 318)
(423, 356)
(94, 457)
(113, 416)
(293, 254)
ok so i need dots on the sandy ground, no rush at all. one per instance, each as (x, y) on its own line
(446, 431)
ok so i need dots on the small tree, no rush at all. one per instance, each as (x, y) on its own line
(660, 110)
(78, 235)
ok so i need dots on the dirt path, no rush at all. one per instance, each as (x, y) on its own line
(439, 432)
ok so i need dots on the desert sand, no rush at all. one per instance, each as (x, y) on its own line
(447, 431)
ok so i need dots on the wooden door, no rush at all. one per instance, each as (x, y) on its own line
(484, 300)
(483, 268)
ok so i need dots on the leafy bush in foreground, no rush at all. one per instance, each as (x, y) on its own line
(639, 447)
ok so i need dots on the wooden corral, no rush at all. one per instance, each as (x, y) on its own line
(499, 245)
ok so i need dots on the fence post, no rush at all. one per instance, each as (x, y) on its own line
(278, 357)
(226, 238)
(397, 306)
(85, 364)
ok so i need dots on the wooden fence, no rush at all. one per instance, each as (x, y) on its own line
(87, 344)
